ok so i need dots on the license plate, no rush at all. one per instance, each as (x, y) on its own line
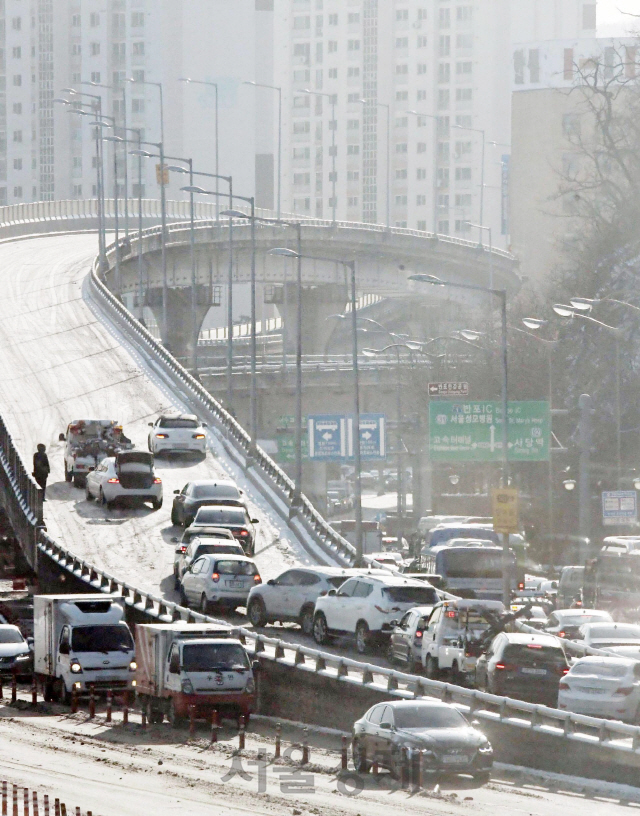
(592, 690)
(534, 671)
(455, 760)
(235, 584)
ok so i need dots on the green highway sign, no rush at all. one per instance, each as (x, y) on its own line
(286, 442)
(465, 431)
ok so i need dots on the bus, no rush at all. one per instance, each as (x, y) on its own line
(470, 570)
(612, 581)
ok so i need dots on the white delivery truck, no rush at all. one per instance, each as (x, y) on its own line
(451, 642)
(184, 667)
(82, 641)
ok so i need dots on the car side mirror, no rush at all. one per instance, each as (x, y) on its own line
(62, 438)
(386, 726)
(255, 521)
(177, 492)
(271, 582)
(150, 424)
(393, 623)
(204, 424)
(332, 593)
(30, 642)
(65, 649)
(256, 666)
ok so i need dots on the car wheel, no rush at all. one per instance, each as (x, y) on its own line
(431, 668)
(176, 582)
(188, 521)
(149, 445)
(49, 694)
(68, 475)
(457, 678)
(320, 629)
(174, 519)
(103, 501)
(359, 757)
(79, 481)
(87, 493)
(184, 601)
(482, 778)
(414, 666)
(204, 605)
(362, 638)
(60, 692)
(306, 621)
(391, 656)
(156, 503)
(175, 720)
(257, 612)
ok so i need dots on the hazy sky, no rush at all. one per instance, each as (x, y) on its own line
(610, 13)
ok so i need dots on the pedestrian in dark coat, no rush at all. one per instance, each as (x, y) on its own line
(41, 467)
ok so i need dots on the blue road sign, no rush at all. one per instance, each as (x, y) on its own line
(327, 437)
(619, 507)
(373, 441)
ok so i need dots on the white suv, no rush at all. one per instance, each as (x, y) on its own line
(178, 433)
(365, 606)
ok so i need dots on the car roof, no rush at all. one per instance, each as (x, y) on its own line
(420, 702)
(213, 541)
(225, 507)
(388, 579)
(587, 627)
(214, 482)
(578, 612)
(178, 415)
(472, 603)
(229, 557)
(600, 659)
(523, 637)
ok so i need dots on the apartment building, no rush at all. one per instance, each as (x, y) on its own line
(435, 75)
(551, 116)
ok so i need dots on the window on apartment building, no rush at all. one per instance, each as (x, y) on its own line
(401, 173)
(422, 68)
(301, 204)
(402, 147)
(352, 201)
(332, 124)
(421, 200)
(402, 69)
(17, 79)
(353, 97)
(421, 147)
(75, 78)
(138, 49)
(444, 98)
(353, 175)
(137, 19)
(76, 20)
(443, 151)
(302, 127)
(444, 72)
(138, 76)
(118, 50)
(95, 76)
(76, 49)
(534, 65)
(354, 17)
(302, 179)
(402, 122)
(77, 190)
(464, 41)
(463, 200)
(138, 190)
(402, 42)
(301, 153)
(463, 174)
(518, 66)
(462, 226)
(443, 227)
(464, 94)
(444, 45)
(302, 50)
(137, 105)
(353, 71)
(94, 19)
(77, 162)
(17, 107)
(332, 202)
(444, 17)
(332, 73)
(464, 13)
(353, 150)
(304, 75)
(464, 68)
(301, 23)
(333, 19)
(353, 45)
(402, 15)
(421, 95)
(401, 201)
(589, 16)
(301, 101)
(568, 64)
(422, 14)
(631, 53)
(17, 164)
(421, 173)
(332, 46)
(17, 52)
(17, 192)
(421, 42)
(463, 148)
(353, 124)
(464, 121)
(94, 49)
(421, 226)
(571, 125)
(401, 224)
(443, 177)
(16, 23)
(402, 96)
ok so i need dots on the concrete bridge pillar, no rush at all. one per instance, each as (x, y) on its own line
(180, 331)
(318, 303)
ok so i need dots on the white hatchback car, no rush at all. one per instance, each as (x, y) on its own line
(602, 687)
(365, 607)
(219, 580)
(128, 476)
(206, 545)
(621, 638)
(178, 433)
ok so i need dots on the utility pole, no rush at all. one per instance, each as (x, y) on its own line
(585, 404)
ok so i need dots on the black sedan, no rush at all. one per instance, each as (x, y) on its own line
(234, 519)
(195, 495)
(450, 744)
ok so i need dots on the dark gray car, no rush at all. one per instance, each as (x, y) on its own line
(197, 494)
(450, 744)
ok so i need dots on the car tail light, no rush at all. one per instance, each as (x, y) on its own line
(215, 577)
(257, 579)
(506, 666)
(533, 646)
(561, 634)
(183, 548)
(451, 614)
(162, 436)
(113, 481)
(521, 585)
(242, 533)
(625, 690)
(564, 686)
(418, 634)
(198, 436)
(157, 481)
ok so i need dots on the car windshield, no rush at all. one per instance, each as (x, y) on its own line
(472, 562)
(579, 620)
(610, 631)
(218, 549)
(10, 636)
(175, 422)
(418, 596)
(429, 716)
(599, 669)
(213, 491)
(101, 639)
(216, 515)
(236, 568)
(526, 654)
(214, 657)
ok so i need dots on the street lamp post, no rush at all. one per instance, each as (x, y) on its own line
(334, 125)
(435, 164)
(279, 90)
(217, 175)
(501, 295)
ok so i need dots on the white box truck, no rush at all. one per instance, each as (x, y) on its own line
(184, 667)
(82, 641)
